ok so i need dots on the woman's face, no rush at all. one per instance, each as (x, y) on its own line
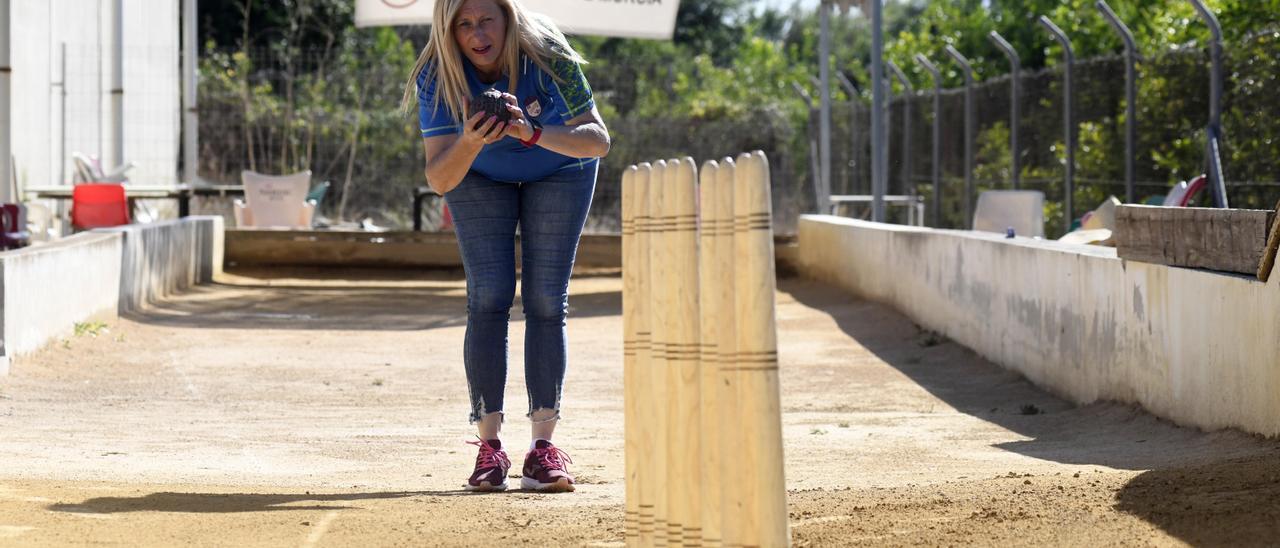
(481, 31)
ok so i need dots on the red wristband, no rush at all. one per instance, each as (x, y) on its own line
(537, 133)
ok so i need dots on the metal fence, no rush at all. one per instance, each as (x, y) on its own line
(251, 123)
(644, 140)
(256, 126)
(1172, 109)
(281, 112)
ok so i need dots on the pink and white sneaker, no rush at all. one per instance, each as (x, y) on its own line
(491, 467)
(544, 469)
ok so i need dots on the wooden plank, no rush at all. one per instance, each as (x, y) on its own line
(270, 247)
(1273, 244)
(1230, 240)
(340, 248)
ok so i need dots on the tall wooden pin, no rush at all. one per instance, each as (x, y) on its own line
(757, 354)
(665, 523)
(709, 327)
(641, 390)
(683, 352)
(733, 494)
(631, 515)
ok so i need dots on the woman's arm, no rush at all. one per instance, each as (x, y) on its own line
(449, 157)
(583, 136)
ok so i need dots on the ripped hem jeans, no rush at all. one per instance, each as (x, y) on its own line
(550, 214)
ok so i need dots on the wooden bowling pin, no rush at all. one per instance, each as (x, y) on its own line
(757, 354)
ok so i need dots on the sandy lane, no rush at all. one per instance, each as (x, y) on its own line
(323, 408)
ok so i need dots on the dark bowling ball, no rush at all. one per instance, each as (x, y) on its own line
(490, 102)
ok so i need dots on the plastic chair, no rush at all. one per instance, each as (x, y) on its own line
(1182, 193)
(13, 233)
(274, 201)
(1193, 188)
(1000, 209)
(40, 222)
(446, 218)
(89, 170)
(317, 193)
(99, 205)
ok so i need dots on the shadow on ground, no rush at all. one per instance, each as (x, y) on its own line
(233, 502)
(351, 300)
(1114, 435)
(1217, 488)
(1232, 502)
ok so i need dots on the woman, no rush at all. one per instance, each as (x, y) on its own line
(536, 171)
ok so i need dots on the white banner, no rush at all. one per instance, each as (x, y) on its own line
(625, 18)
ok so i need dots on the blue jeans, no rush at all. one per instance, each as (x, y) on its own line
(551, 214)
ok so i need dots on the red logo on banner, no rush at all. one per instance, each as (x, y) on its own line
(399, 4)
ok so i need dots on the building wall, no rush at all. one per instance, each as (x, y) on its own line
(1199, 348)
(43, 138)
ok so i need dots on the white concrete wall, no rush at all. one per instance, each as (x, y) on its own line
(1196, 347)
(47, 289)
(162, 259)
(152, 98)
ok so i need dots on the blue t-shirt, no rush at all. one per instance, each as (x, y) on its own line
(543, 99)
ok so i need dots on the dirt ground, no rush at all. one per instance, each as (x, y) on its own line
(329, 408)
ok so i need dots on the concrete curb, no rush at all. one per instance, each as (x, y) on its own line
(1197, 347)
(161, 259)
(45, 290)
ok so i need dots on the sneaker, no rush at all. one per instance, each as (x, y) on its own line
(544, 469)
(491, 467)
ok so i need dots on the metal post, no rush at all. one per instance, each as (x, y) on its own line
(1130, 96)
(908, 92)
(191, 113)
(1068, 118)
(887, 121)
(878, 102)
(6, 152)
(822, 207)
(852, 90)
(58, 95)
(1217, 182)
(937, 137)
(5, 167)
(968, 132)
(1015, 118)
(117, 84)
(815, 130)
(824, 95)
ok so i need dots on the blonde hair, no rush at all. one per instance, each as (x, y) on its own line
(533, 34)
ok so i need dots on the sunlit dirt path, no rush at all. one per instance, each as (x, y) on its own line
(329, 408)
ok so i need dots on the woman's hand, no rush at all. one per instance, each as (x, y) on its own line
(450, 156)
(518, 127)
(481, 128)
(583, 136)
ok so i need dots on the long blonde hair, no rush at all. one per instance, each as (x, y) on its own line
(533, 34)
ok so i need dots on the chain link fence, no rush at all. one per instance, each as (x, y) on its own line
(1172, 107)
(260, 111)
(275, 113)
(283, 112)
